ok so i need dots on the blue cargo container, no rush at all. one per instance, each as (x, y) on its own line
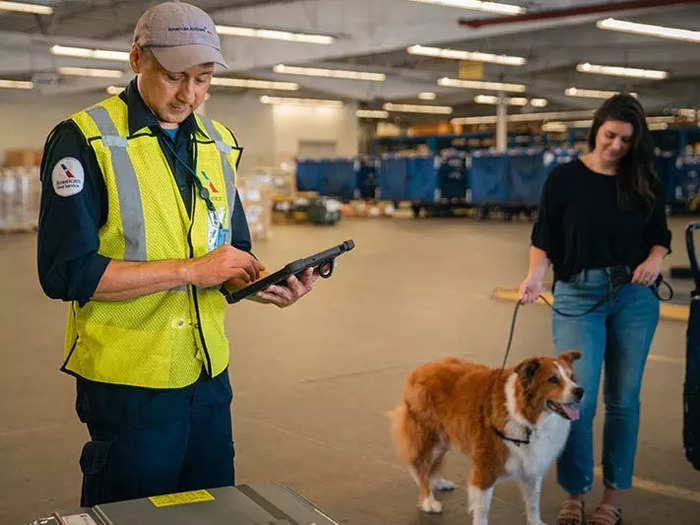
(338, 178)
(489, 178)
(308, 174)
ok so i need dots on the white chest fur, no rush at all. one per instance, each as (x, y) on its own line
(526, 461)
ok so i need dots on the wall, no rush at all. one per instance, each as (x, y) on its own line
(268, 134)
(28, 117)
(271, 134)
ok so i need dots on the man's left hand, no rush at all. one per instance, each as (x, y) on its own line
(290, 293)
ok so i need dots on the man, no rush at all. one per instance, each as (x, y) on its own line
(140, 224)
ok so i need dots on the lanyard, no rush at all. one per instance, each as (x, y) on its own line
(201, 190)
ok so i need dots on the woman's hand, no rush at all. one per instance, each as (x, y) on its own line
(530, 289)
(646, 273)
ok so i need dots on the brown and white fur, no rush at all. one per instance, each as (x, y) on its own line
(455, 403)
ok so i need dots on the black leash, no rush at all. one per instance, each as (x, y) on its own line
(654, 289)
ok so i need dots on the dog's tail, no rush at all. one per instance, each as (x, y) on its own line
(407, 432)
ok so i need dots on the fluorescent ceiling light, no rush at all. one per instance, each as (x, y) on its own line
(416, 108)
(90, 72)
(554, 127)
(427, 95)
(591, 93)
(493, 99)
(253, 84)
(114, 90)
(649, 30)
(539, 102)
(525, 117)
(16, 84)
(371, 113)
(84, 52)
(457, 54)
(275, 34)
(26, 8)
(491, 7)
(290, 101)
(618, 71)
(329, 73)
(479, 84)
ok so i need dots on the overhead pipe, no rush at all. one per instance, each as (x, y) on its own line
(573, 11)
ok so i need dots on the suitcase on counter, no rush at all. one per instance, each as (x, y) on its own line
(255, 504)
(691, 386)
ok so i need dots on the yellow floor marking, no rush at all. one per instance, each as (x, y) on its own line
(660, 488)
(671, 312)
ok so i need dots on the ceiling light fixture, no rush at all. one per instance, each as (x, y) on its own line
(416, 108)
(427, 95)
(371, 113)
(114, 90)
(90, 72)
(618, 71)
(479, 84)
(525, 117)
(20, 7)
(16, 84)
(493, 99)
(290, 101)
(539, 102)
(456, 54)
(329, 73)
(491, 7)
(591, 93)
(649, 30)
(253, 84)
(84, 52)
(274, 34)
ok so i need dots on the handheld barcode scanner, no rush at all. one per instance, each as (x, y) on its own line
(324, 261)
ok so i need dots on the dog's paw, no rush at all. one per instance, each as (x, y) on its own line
(431, 505)
(443, 484)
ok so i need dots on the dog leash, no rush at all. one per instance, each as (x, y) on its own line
(654, 289)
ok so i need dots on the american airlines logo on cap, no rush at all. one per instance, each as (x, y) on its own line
(190, 28)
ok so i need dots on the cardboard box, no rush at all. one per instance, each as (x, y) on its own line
(26, 158)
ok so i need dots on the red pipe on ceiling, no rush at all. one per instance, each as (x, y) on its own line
(573, 11)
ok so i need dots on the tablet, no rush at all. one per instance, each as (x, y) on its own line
(293, 268)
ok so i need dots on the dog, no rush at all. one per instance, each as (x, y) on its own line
(512, 423)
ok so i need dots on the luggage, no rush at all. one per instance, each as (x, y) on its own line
(258, 504)
(691, 386)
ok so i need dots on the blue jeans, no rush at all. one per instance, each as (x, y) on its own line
(618, 334)
(146, 442)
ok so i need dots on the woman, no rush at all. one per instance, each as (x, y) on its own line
(602, 226)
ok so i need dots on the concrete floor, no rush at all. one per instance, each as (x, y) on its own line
(313, 383)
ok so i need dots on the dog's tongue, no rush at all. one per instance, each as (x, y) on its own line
(572, 410)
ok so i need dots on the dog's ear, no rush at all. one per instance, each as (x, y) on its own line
(570, 356)
(527, 369)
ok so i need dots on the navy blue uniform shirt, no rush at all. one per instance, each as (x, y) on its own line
(69, 266)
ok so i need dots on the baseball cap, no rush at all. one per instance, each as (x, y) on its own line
(180, 36)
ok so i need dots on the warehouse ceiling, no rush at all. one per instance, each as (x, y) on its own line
(372, 35)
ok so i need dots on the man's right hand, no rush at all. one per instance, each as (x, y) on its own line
(220, 265)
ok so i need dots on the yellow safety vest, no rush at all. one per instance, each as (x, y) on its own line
(161, 340)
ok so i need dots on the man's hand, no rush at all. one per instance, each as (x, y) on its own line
(290, 293)
(220, 265)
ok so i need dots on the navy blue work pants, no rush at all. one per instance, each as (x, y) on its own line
(146, 442)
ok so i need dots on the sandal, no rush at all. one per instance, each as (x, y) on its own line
(606, 514)
(571, 512)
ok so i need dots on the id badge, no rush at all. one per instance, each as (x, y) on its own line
(217, 235)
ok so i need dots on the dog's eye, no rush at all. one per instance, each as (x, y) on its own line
(553, 379)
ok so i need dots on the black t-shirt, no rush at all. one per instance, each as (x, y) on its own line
(580, 225)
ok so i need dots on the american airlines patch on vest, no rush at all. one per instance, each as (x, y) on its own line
(68, 177)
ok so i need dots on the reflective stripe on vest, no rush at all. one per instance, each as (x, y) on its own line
(164, 339)
(127, 186)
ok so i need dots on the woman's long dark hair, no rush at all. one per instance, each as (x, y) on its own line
(636, 175)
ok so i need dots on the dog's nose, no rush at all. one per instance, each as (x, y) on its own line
(578, 393)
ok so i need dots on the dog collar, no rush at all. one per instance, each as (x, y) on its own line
(518, 442)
